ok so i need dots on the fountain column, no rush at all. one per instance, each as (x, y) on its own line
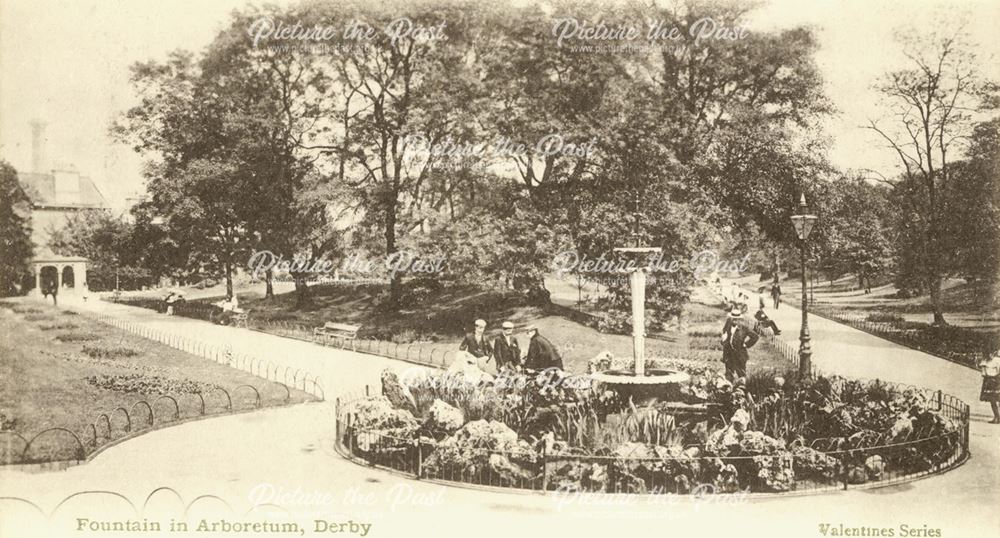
(637, 281)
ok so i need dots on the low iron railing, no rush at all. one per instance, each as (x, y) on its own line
(797, 470)
(142, 415)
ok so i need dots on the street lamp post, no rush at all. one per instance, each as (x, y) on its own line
(803, 223)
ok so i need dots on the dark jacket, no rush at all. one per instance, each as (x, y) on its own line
(475, 347)
(775, 291)
(737, 338)
(542, 354)
(506, 354)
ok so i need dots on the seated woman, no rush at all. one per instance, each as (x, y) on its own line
(228, 308)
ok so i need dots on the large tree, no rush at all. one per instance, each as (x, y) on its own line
(15, 231)
(857, 235)
(930, 108)
(195, 179)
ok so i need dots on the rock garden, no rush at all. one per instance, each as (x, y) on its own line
(772, 433)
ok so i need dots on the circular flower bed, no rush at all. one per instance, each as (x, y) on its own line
(774, 433)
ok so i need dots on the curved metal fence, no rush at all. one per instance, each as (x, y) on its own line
(285, 375)
(63, 444)
(799, 469)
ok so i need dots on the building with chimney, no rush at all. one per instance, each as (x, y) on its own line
(55, 195)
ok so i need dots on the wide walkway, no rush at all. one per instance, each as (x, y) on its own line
(224, 466)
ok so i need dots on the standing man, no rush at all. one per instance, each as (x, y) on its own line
(505, 348)
(737, 338)
(776, 294)
(541, 353)
(475, 342)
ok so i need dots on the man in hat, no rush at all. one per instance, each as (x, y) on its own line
(475, 342)
(505, 348)
(737, 338)
(541, 353)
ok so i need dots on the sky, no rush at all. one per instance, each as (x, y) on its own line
(66, 62)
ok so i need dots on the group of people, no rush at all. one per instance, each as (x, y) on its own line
(172, 299)
(506, 352)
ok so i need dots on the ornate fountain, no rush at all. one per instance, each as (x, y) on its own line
(643, 386)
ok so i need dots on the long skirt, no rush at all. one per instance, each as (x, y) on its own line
(991, 389)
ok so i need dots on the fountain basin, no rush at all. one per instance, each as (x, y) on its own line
(651, 387)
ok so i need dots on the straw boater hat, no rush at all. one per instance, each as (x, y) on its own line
(735, 312)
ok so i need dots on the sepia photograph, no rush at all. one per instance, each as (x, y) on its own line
(477, 268)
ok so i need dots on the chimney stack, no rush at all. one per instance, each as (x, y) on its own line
(38, 140)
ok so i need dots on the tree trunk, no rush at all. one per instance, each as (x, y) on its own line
(269, 284)
(933, 257)
(301, 290)
(936, 302)
(229, 280)
(395, 281)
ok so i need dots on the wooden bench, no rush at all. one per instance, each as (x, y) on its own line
(342, 331)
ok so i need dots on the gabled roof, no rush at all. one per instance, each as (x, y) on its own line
(41, 188)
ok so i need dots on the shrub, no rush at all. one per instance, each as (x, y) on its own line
(7, 422)
(885, 317)
(77, 337)
(59, 325)
(110, 351)
(697, 333)
(405, 336)
(148, 384)
(705, 342)
(206, 283)
(37, 317)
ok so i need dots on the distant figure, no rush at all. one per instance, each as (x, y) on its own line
(990, 391)
(541, 353)
(475, 342)
(172, 299)
(760, 298)
(743, 303)
(53, 290)
(766, 322)
(736, 340)
(776, 294)
(505, 348)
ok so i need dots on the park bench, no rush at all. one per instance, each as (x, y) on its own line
(342, 331)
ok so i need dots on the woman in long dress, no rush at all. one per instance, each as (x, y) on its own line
(991, 384)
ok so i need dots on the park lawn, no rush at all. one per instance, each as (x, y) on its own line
(442, 318)
(971, 310)
(974, 305)
(44, 380)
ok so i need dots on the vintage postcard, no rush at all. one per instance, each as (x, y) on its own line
(387, 268)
